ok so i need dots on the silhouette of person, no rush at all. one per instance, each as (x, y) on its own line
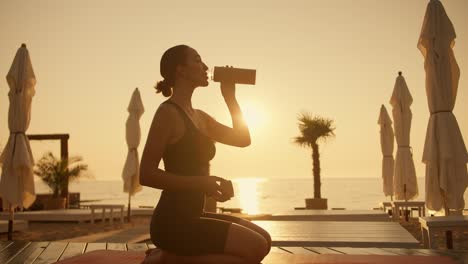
(183, 137)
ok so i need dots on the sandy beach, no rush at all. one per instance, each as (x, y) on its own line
(43, 231)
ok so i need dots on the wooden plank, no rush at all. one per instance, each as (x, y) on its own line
(350, 250)
(51, 253)
(47, 136)
(346, 238)
(278, 250)
(30, 253)
(406, 251)
(324, 250)
(327, 243)
(117, 246)
(428, 252)
(331, 215)
(62, 215)
(73, 249)
(394, 236)
(5, 244)
(12, 250)
(300, 250)
(137, 247)
(445, 221)
(95, 246)
(355, 234)
(379, 251)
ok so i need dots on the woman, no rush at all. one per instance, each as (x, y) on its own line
(183, 137)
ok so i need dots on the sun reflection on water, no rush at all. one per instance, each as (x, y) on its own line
(248, 194)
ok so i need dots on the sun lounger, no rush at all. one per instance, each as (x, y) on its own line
(111, 208)
(398, 206)
(431, 225)
(338, 234)
(62, 215)
(331, 215)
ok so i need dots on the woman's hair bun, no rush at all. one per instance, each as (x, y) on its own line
(164, 87)
(171, 58)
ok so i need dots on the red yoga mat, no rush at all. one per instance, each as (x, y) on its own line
(281, 258)
(106, 256)
(128, 257)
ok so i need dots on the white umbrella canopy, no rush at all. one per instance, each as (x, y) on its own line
(405, 185)
(17, 180)
(387, 139)
(444, 153)
(131, 170)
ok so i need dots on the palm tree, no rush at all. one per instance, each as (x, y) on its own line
(313, 129)
(55, 172)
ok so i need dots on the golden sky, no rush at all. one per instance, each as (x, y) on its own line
(335, 58)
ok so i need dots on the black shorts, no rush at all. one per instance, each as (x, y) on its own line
(189, 237)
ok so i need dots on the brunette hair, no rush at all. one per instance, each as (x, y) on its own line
(172, 58)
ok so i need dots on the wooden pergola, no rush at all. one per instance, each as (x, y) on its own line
(63, 152)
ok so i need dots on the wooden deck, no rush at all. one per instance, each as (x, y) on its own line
(338, 234)
(64, 215)
(19, 252)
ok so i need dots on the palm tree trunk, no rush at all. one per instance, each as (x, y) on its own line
(64, 190)
(316, 170)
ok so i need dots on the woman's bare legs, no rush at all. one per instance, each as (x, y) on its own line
(243, 245)
(256, 228)
(246, 243)
(242, 222)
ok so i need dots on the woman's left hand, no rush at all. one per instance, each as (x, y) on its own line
(228, 90)
(222, 195)
(221, 198)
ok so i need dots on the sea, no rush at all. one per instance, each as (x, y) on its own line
(253, 195)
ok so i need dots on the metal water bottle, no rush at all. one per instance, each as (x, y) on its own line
(234, 75)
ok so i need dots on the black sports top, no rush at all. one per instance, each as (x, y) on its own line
(189, 156)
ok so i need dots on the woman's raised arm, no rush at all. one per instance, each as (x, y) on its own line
(239, 134)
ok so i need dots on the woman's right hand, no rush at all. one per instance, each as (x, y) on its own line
(220, 192)
(211, 186)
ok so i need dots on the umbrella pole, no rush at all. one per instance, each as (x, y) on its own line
(406, 207)
(10, 223)
(448, 234)
(128, 211)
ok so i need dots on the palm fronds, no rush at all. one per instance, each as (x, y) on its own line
(313, 128)
(56, 173)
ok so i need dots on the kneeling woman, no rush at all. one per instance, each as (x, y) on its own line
(183, 137)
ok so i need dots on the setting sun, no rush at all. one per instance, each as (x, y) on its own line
(248, 194)
(254, 115)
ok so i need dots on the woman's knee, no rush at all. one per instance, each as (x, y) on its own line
(246, 243)
(256, 228)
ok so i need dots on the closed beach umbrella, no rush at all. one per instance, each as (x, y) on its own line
(131, 170)
(387, 139)
(17, 180)
(405, 185)
(444, 153)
